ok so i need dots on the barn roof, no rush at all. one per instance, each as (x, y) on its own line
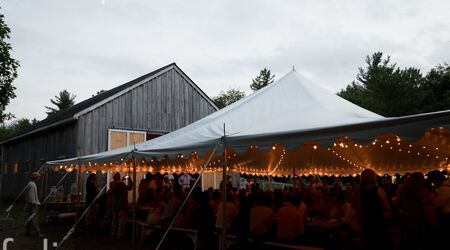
(71, 114)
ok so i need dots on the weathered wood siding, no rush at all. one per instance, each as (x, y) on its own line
(164, 103)
(52, 144)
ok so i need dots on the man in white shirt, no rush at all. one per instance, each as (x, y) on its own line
(33, 204)
(185, 180)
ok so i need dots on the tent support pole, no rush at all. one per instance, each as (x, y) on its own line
(223, 239)
(133, 231)
(8, 210)
(187, 197)
(72, 230)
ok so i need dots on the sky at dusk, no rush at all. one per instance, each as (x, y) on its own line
(89, 45)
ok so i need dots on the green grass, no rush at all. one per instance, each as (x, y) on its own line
(19, 213)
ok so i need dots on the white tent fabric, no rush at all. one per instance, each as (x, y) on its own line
(290, 104)
(290, 111)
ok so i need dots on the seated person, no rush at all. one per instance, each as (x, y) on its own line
(154, 207)
(231, 213)
(261, 216)
(291, 221)
(171, 208)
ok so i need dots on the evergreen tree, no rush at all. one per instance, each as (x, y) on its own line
(263, 79)
(62, 101)
(387, 90)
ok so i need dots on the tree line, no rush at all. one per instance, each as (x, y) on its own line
(384, 88)
(380, 86)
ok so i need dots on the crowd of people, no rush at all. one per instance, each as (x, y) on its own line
(368, 208)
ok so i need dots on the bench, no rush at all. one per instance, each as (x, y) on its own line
(192, 233)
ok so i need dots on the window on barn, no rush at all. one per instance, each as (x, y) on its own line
(119, 138)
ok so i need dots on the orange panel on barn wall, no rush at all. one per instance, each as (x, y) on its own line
(5, 168)
(136, 138)
(118, 139)
(16, 168)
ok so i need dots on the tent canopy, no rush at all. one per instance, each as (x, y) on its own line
(289, 112)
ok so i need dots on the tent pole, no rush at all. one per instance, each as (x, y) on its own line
(185, 200)
(224, 193)
(72, 230)
(133, 231)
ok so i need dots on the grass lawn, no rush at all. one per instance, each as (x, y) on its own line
(83, 237)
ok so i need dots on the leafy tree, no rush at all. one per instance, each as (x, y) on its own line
(385, 89)
(226, 98)
(16, 126)
(263, 79)
(8, 71)
(62, 101)
(437, 84)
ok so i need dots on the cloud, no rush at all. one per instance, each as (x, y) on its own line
(85, 46)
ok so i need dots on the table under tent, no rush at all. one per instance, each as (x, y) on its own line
(291, 126)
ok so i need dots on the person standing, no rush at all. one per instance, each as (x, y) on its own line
(91, 194)
(185, 181)
(33, 204)
(372, 211)
(443, 209)
(119, 199)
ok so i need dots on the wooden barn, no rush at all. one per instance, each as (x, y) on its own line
(144, 108)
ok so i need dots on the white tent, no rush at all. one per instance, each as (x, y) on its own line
(281, 128)
(289, 104)
(291, 111)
